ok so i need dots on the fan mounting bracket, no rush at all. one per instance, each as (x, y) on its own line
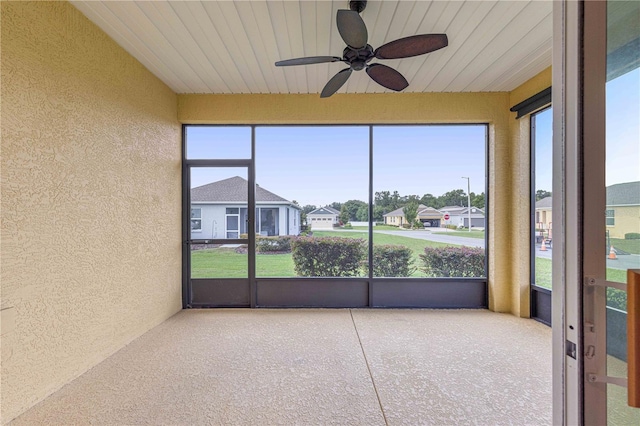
(357, 5)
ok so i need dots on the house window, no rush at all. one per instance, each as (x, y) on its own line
(196, 219)
(610, 217)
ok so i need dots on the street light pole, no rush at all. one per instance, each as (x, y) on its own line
(468, 199)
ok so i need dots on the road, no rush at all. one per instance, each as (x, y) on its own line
(624, 262)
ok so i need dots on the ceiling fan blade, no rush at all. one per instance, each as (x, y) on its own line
(411, 46)
(352, 28)
(308, 60)
(387, 77)
(335, 83)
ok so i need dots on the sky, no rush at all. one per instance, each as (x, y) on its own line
(321, 164)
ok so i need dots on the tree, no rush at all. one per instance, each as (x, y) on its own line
(378, 214)
(362, 215)
(429, 201)
(541, 193)
(477, 200)
(349, 210)
(411, 212)
(336, 205)
(457, 197)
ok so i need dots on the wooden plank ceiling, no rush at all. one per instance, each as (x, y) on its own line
(231, 46)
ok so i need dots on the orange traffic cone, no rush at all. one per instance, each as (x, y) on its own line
(612, 254)
(544, 246)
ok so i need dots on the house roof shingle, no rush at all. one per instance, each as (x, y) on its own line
(232, 190)
(544, 203)
(624, 194)
(324, 210)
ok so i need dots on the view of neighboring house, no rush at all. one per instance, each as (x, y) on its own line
(623, 209)
(427, 215)
(219, 210)
(459, 216)
(323, 218)
(543, 214)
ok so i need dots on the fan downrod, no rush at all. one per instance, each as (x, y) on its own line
(357, 5)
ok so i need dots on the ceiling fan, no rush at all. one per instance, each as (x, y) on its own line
(358, 53)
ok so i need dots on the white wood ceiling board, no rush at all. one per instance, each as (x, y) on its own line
(263, 31)
(429, 25)
(295, 75)
(165, 19)
(461, 29)
(538, 37)
(238, 47)
(510, 34)
(231, 46)
(255, 54)
(537, 62)
(133, 17)
(308, 17)
(483, 35)
(294, 29)
(208, 38)
(98, 13)
(324, 21)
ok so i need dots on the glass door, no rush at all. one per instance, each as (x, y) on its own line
(611, 230)
(218, 196)
(622, 191)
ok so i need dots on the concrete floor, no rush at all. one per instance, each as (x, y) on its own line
(312, 367)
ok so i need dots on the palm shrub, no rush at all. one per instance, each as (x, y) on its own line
(392, 261)
(453, 261)
(327, 256)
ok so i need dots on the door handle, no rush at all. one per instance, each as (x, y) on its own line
(633, 336)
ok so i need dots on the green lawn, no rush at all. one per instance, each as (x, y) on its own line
(630, 246)
(226, 263)
(543, 273)
(461, 233)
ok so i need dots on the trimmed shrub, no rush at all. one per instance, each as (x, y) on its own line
(306, 233)
(406, 226)
(450, 226)
(348, 226)
(328, 256)
(418, 225)
(632, 236)
(392, 261)
(281, 244)
(617, 299)
(453, 261)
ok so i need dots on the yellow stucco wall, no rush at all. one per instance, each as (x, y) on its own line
(519, 133)
(91, 252)
(627, 220)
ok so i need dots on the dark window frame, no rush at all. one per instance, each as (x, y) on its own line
(419, 292)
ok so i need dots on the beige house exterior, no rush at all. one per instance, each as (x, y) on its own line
(543, 214)
(426, 215)
(622, 215)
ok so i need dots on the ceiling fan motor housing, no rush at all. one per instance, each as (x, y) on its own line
(357, 6)
(359, 58)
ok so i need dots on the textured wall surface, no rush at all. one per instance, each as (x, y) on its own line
(492, 108)
(520, 134)
(91, 200)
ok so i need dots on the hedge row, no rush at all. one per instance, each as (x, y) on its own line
(392, 261)
(328, 257)
(632, 236)
(281, 244)
(453, 261)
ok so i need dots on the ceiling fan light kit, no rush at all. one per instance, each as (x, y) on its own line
(358, 53)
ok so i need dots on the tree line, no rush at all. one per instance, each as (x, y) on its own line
(386, 201)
